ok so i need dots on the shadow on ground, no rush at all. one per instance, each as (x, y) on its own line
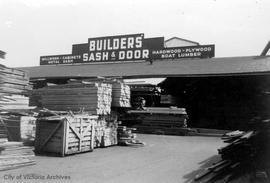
(201, 165)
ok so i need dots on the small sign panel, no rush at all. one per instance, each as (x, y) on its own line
(201, 51)
(60, 59)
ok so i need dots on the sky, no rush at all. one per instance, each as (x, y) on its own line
(33, 28)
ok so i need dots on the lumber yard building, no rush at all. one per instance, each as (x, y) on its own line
(223, 93)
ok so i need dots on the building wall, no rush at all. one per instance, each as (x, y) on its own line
(178, 43)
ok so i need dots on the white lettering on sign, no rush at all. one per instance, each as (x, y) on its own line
(138, 42)
(92, 45)
(116, 43)
(121, 55)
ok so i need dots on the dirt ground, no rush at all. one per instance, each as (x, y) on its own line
(164, 159)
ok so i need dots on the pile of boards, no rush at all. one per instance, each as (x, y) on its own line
(19, 127)
(14, 88)
(14, 85)
(126, 137)
(3, 131)
(120, 94)
(105, 132)
(94, 98)
(120, 91)
(15, 155)
(161, 120)
(246, 157)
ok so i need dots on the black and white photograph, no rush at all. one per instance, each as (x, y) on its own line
(134, 91)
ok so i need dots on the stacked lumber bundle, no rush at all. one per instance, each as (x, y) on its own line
(246, 157)
(15, 155)
(161, 120)
(15, 102)
(94, 98)
(120, 90)
(19, 128)
(110, 136)
(65, 134)
(3, 131)
(120, 95)
(168, 99)
(13, 85)
(126, 137)
(105, 133)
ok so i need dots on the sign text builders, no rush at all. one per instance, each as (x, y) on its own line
(116, 48)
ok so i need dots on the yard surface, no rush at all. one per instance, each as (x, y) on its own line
(164, 159)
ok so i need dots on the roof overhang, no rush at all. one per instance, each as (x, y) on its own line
(227, 66)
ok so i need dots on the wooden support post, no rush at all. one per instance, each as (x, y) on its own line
(265, 50)
(65, 139)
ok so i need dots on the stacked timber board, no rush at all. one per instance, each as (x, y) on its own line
(126, 137)
(20, 128)
(109, 137)
(94, 98)
(244, 159)
(3, 131)
(15, 155)
(65, 134)
(120, 95)
(161, 120)
(14, 84)
(168, 99)
(105, 132)
(120, 90)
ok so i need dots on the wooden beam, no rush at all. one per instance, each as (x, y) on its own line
(266, 49)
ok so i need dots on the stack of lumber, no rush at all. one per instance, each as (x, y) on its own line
(246, 155)
(161, 120)
(109, 137)
(126, 137)
(3, 131)
(15, 155)
(65, 134)
(168, 99)
(19, 128)
(120, 95)
(94, 98)
(120, 90)
(105, 133)
(15, 102)
(13, 85)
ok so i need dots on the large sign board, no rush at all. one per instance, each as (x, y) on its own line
(125, 48)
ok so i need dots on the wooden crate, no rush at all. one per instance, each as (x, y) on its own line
(64, 135)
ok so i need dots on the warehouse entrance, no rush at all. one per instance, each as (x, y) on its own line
(227, 102)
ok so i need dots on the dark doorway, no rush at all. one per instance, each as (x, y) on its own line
(221, 102)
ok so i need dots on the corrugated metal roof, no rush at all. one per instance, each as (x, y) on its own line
(159, 68)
